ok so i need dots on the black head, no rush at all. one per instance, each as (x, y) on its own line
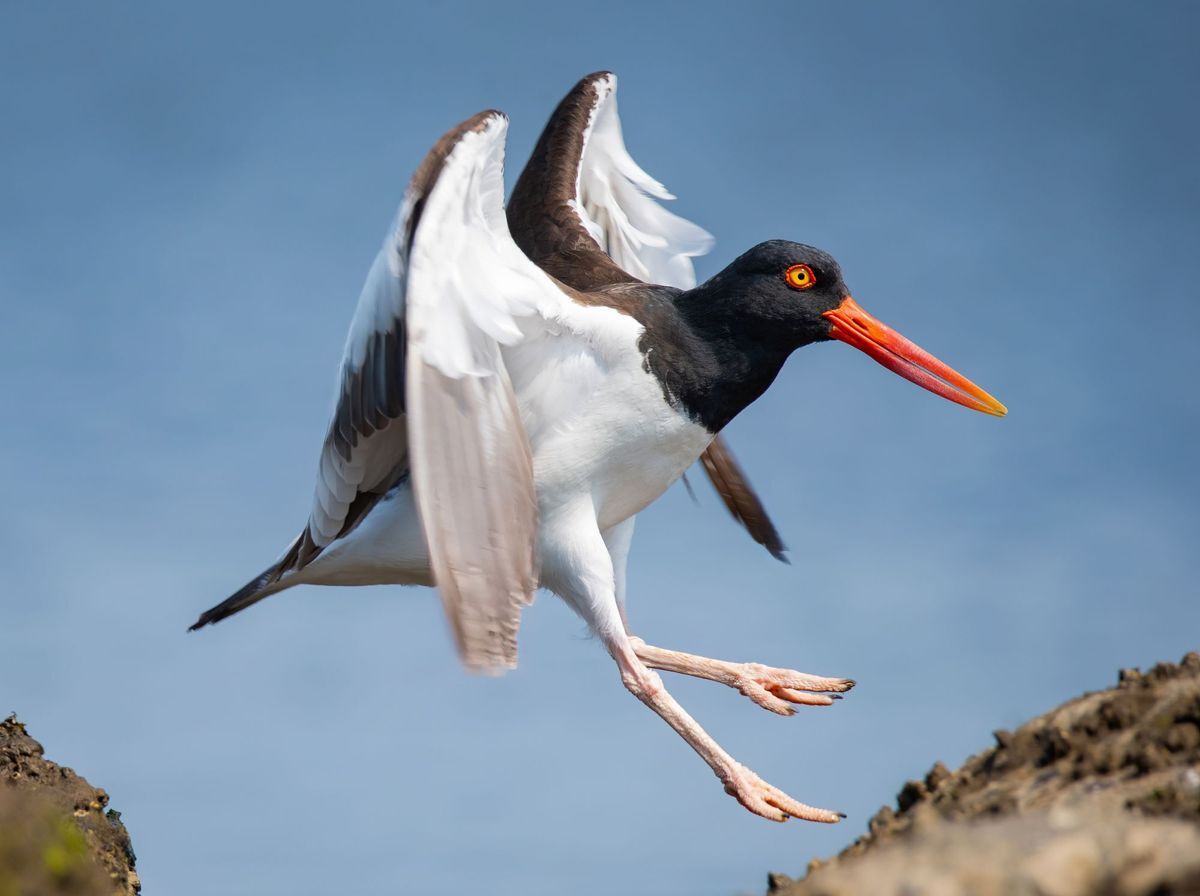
(769, 302)
(777, 292)
(739, 327)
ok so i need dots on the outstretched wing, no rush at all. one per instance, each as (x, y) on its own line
(616, 204)
(587, 213)
(469, 291)
(423, 393)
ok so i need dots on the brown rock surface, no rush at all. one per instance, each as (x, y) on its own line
(56, 836)
(1098, 796)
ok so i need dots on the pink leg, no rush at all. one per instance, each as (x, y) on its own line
(578, 565)
(748, 788)
(771, 688)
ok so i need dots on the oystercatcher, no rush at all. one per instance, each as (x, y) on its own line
(516, 389)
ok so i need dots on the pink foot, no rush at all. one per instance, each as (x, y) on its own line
(776, 689)
(770, 802)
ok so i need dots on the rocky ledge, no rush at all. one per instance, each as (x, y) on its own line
(1099, 797)
(57, 834)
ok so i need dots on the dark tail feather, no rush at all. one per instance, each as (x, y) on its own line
(740, 498)
(252, 592)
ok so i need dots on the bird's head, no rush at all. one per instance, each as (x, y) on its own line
(794, 295)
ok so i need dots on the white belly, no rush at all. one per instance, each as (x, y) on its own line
(601, 432)
(621, 447)
(598, 422)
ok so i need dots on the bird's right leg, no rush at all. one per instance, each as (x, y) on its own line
(769, 687)
(578, 567)
(778, 690)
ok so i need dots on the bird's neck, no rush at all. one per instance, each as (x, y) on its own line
(712, 363)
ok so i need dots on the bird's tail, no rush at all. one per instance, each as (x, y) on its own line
(263, 585)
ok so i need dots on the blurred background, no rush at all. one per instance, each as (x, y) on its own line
(190, 197)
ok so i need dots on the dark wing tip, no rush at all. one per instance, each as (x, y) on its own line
(250, 593)
(208, 617)
(477, 122)
(430, 168)
(588, 90)
(595, 76)
(490, 113)
(763, 531)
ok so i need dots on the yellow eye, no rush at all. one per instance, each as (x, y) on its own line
(800, 276)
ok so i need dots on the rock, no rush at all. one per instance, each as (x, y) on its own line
(1099, 796)
(56, 833)
(1043, 854)
(777, 882)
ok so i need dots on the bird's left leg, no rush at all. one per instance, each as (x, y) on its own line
(769, 687)
(775, 689)
(618, 540)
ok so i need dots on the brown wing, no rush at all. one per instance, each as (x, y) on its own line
(542, 212)
(544, 217)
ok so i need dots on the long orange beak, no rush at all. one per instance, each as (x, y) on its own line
(855, 327)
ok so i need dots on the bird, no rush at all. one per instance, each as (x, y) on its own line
(519, 383)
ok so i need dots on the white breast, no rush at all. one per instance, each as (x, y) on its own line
(597, 420)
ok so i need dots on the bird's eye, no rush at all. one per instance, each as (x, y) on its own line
(800, 276)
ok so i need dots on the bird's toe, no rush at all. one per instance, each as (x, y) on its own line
(779, 689)
(770, 802)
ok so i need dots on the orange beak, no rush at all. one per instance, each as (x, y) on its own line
(855, 327)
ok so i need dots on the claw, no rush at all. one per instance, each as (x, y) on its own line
(776, 690)
(770, 677)
(770, 802)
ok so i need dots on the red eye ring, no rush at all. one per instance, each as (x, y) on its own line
(800, 276)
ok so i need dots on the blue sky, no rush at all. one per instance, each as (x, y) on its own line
(191, 196)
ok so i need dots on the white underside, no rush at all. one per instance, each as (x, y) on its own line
(605, 445)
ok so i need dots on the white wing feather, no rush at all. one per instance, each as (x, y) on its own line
(469, 289)
(617, 204)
